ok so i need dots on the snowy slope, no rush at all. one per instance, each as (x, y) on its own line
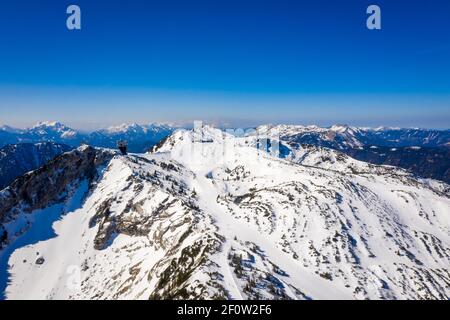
(207, 215)
(340, 223)
(341, 137)
(420, 151)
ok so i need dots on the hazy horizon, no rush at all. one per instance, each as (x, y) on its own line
(189, 124)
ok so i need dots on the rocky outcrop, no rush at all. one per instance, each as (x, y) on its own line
(18, 159)
(46, 185)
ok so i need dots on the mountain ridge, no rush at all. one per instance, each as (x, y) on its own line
(422, 151)
(15, 160)
(209, 216)
(139, 137)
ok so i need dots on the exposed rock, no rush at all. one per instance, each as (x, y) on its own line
(40, 188)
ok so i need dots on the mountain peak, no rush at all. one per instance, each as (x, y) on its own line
(53, 130)
(124, 127)
(141, 128)
(49, 124)
(339, 127)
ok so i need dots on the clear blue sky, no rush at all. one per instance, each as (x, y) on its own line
(241, 62)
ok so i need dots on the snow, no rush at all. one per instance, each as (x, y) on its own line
(231, 229)
(137, 128)
(316, 225)
(265, 172)
(51, 235)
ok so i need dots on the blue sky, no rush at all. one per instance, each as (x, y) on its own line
(238, 62)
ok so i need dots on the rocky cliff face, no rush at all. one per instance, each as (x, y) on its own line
(17, 159)
(50, 183)
(169, 239)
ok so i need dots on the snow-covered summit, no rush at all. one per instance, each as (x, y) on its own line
(52, 130)
(138, 128)
(207, 215)
(125, 127)
(49, 124)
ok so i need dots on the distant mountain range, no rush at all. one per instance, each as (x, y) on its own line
(140, 137)
(17, 159)
(424, 152)
(342, 137)
(427, 162)
(143, 137)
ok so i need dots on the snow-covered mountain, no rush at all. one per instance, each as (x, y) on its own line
(341, 137)
(336, 137)
(17, 159)
(53, 131)
(140, 137)
(143, 137)
(41, 132)
(207, 215)
(421, 151)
